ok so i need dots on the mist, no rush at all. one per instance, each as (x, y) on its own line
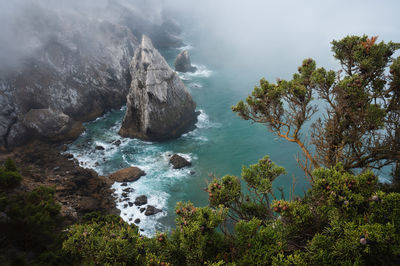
(271, 38)
(26, 26)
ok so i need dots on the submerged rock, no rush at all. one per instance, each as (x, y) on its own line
(179, 162)
(141, 200)
(182, 62)
(116, 143)
(151, 210)
(100, 148)
(158, 105)
(127, 175)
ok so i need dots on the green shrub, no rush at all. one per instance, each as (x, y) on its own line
(9, 175)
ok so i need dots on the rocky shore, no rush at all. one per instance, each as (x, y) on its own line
(78, 190)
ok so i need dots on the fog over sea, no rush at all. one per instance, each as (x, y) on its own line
(232, 48)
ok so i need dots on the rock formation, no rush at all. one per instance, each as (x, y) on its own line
(182, 62)
(71, 63)
(51, 125)
(73, 77)
(141, 200)
(179, 162)
(127, 175)
(151, 210)
(158, 105)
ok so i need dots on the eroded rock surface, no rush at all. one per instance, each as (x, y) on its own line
(158, 105)
(182, 62)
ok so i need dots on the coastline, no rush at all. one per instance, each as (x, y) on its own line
(77, 189)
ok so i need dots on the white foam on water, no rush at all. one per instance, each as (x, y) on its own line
(195, 85)
(151, 157)
(203, 121)
(201, 72)
(159, 177)
(186, 47)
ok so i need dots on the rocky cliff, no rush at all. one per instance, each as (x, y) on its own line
(158, 105)
(73, 62)
(70, 72)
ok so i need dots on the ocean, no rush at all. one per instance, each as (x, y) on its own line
(221, 144)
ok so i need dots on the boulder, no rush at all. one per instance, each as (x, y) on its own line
(116, 142)
(179, 162)
(52, 124)
(141, 200)
(127, 175)
(100, 148)
(151, 210)
(182, 62)
(158, 105)
(137, 221)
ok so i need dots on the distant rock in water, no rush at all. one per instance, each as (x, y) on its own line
(182, 62)
(127, 175)
(179, 162)
(158, 105)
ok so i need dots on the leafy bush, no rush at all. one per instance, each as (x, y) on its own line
(9, 175)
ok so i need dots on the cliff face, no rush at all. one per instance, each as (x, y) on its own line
(70, 74)
(158, 105)
(77, 67)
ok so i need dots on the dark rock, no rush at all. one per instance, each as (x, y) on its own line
(130, 219)
(68, 156)
(64, 148)
(124, 184)
(116, 143)
(158, 105)
(137, 221)
(125, 206)
(100, 148)
(182, 62)
(142, 209)
(192, 172)
(127, 175)
(151, 210)
(141, 200)
(128, 190)
(124, 195)
(179, 162)
(88, 204)
(130, 204)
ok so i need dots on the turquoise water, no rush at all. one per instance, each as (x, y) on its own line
(220, 145)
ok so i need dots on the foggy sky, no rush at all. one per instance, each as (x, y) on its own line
(275, 36)
(267, 36)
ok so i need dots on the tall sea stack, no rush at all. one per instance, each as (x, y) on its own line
(158, 105)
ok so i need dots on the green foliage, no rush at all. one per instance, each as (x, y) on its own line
(105, 240)
(359, 103)
(9, 175)
(34, 217)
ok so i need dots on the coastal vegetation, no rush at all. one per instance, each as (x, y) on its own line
(347, 216)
